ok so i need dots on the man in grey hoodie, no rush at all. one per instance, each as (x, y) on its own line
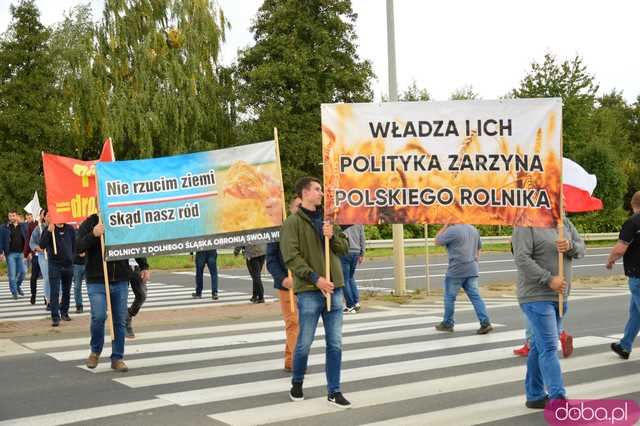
(536, 252)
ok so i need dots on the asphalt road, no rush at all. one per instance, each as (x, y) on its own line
(396, 370)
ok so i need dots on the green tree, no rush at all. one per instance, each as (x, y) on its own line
(570, 81)
(157, 61)
(72, 47)
(304, 55)
(30, 105)
(464, 93)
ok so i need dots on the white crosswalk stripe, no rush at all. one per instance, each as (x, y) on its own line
(233, 373)
(159, 296)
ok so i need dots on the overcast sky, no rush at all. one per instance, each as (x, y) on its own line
(445, 45)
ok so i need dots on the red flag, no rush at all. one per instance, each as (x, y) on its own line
(107, 151)
(578, 185)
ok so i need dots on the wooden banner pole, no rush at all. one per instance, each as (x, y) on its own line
(327, 266)
(561, 234)
(284, 214)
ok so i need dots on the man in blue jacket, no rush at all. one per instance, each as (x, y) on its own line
(15, 236)
(282, 282)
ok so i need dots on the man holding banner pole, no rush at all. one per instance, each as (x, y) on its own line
(301, 244)
(88, 240)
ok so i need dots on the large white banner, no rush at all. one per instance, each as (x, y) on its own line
(479, 162)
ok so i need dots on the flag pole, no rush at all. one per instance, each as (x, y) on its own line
(561, 235)
(426, 248)
(327, 267)
(105, 273)
(284, 213)
(53, 235)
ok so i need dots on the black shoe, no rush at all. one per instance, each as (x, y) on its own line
(196, 296)
(129, 329)
(15, 296)
(443, 327)
(48, 307)
(620, 351)
(55, 322)
(296, 392)
(485, 329)
(338, 400)
(214, 296)
(253, 300)
(79, 309)
(20, 292)
(537, 404)
(259, 301)
(45, 301)
(65, 317)
(33, 299)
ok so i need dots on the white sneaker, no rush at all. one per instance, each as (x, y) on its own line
(349, 310)
(357, 307)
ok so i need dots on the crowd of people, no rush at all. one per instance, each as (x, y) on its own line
(63, 255)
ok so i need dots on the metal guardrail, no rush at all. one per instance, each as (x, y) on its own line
(502, 239)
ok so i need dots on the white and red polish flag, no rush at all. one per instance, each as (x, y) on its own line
(578, 186)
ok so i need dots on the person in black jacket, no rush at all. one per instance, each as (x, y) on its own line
(60, 267)
(118, 272)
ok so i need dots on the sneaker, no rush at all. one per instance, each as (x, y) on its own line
(484, 329)
(296, 392)
(129, 329)
(65, 317)
(92, 361)
(79, 309)
(287, 369)
(55, 322)
(537, 404)
(351, 310)
(119, 366)
(443, 327)
(214, 296)
(338, 400)
(357, 307)
(20, 292)
(620, 351)
(259, 301)
(253, 299)
(566, 341)
(33, 299)
(523, 351)
(196, 296)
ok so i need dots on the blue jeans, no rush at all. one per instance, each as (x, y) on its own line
(528, 331)
(349, 264)
(470, 286)
(209, 258)
(312, 305)
(78, 275)
(97, 298)
(543, 364)
(633, 324)
(60, 279)
(44, 270)
(15, 269)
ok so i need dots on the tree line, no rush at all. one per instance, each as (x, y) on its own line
(147, 74)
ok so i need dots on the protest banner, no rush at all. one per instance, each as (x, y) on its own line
(478, 162)
(71, 186)
(192, 202)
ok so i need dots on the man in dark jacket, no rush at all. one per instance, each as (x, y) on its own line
(302, 247)
(60, 267)
(628, 247)
(88, 240)
(14, 237)
(32, 258)
(282, 282)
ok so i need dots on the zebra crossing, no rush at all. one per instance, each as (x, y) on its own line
(396, 370)
(159, 296)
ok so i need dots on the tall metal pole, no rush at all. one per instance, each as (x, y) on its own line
(398, 230)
